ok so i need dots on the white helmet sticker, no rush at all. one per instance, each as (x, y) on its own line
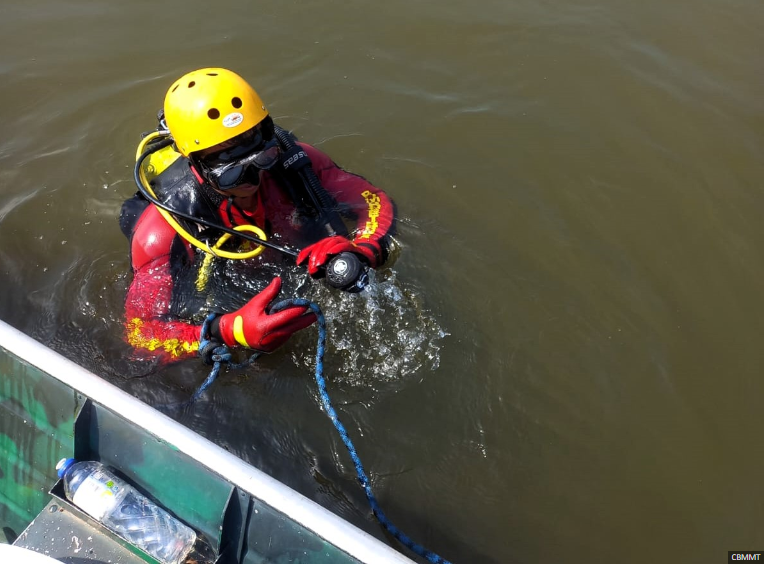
(232, 120)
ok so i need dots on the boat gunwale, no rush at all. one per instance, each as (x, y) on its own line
(330, 527)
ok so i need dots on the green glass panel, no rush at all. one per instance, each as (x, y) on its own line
(36, 431)
(272, 538)
(177, 482)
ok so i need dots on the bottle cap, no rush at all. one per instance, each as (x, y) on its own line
(63, 465)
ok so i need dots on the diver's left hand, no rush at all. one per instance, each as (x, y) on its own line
(318, 254)
(255, 327)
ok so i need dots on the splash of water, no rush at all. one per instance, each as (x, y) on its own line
(377, 337)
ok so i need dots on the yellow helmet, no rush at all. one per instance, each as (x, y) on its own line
(208, 106)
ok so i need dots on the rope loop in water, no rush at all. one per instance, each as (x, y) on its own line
(216, 354)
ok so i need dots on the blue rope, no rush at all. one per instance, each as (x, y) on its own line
(213, 353)
(330, 411)
(216, 354)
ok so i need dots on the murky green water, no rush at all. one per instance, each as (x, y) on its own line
(562, 365)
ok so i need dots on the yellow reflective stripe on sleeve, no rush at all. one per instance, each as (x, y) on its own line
(375, 205)
(174, 347)
(238, 331)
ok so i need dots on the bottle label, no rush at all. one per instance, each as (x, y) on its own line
(97, 495)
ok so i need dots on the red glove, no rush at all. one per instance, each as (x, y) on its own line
(321, 252)
(254, 328)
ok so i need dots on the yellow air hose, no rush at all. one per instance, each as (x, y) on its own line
(215, 250)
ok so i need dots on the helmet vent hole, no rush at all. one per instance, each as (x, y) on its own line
(212, 74)
(213, 113)
(236, 102)
(176, 87)
(191, 84)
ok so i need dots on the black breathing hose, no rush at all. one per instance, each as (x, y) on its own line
(344, 271)
(321, 199)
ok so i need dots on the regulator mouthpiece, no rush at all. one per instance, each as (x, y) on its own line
(346, 272)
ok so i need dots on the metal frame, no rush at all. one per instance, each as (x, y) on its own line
(304, 511)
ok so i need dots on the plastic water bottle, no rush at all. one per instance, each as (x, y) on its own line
(96, 490)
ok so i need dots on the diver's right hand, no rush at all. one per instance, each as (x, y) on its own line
(253, 327)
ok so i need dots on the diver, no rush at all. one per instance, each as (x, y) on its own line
(236, 169)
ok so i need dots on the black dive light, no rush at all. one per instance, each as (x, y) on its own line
(346, 272)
